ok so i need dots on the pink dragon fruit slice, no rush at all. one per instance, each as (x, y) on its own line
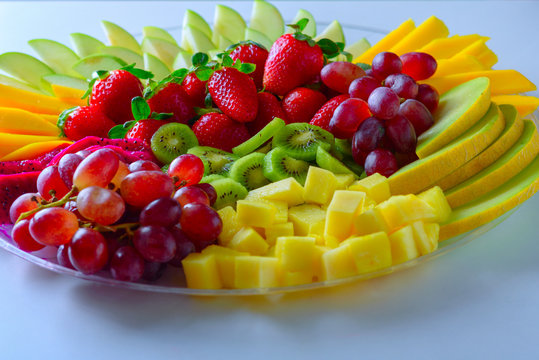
(11, 187)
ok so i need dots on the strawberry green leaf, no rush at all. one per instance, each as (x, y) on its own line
(180, 73)
(140, 108)
(208, 101)
(118, 132)
(203, 73)
(200, 59)
(227, 61)
(141, 74)
(161, 116)
(62, 119)
(247, 68)
(129, 124)
(244, 42)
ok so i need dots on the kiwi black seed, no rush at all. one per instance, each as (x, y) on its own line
(278, 165)
(248, 171)
(172, 140)
(300, 140)
(228, 192)
(215, 161)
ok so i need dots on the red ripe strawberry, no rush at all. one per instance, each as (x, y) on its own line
(85, 121)
(291, 63)
(219, 131)
(301, 104)
(269, 107)
(195, 88)
(250, 52)
(144, 129)
(173, 98)
(325, 113)
(234, 93)
(113, 94)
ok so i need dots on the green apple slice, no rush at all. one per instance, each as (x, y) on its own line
(157, 32)
(196, 40)
(163, 49)
(229, 24)
(67, 81)
(267, 19)
(310, 28)
(332, 32)
(26, 68)
(191, 18)
(258, 37)
(118, 36)
(183, 60)
(221, 42)
(85, 45)
(58, 56)
(356, 49)
(125, 54)
(87, 65)
(9, 81)
(155, 66)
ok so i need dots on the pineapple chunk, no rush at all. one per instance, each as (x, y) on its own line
(341, 211)
(307, 219)
(435, 197)
(370, 221)
(319, 186)
(230, 225)
(331, 242)
(224, 258)
(281, 216)
(295, 253)
(250, 241)
(338, 263)
(401, 210)
(426, 236)
(287, 190)
(370, 252)
(256, 272)
(317, 261)
(289, 278)
(344, 180)
(375, 186)
(276, 230)
(403, 247)
(255, 213)
(201, 271)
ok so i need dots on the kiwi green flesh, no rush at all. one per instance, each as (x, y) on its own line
(343, 147)
(278, 165)
(215, 161)
(328, 162)
(266, 133)
(228, 192)
(301, 140)
(172, 140)
(210, 178)
(248, 171)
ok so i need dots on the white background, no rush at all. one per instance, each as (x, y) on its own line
(479, 301)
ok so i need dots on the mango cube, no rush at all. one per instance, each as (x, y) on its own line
(201, 271)
(295, 253)
(230, 225)
(341, 211)
(317, 261)
(338, 263)
(370, 221)
(401, 210)
(319, 186)
(426, 236)
(255, 213)
(403, 247)
(274, 231)
(344, 180)
(370, 252)
(375, 186)
(288, 190)
(435, 197)
(256, 272)
(224, 258)
(295, 278)
(281, 216)
(249, 240)
(307, 219)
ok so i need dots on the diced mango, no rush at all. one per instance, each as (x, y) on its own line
(307, 219)
(401, 210)
(430, 29)
(338, 263)
(344, 180)
(341, 211)
(435, 197)
(444, 48)
(230, 225)
(281, 216)
(317, 261)
(256, 272)
(295, 253)
(375, 186)
(250, 241)
(255, 213)
(201, 271)
(224, 257)
(287, 190)
(289, 278)
(370, 221)
(403, 247)
(274, 231)
(426, 236)
(319, 186)
(370, 252)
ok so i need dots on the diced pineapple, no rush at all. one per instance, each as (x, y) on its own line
(288, 190)
(307, 219)
(319, 186)
(435, 197)
(370, 252)
(341, 211)
(250, 241)
(255, 213)
(289, 278)
(201, 271)
(403, 247)
(401, 210)
(276, 230)
(230, 225)
(344, 180)
(281, 216)
(426, 236)
(331, 242)
(375, 186)
(370, 221)
(256, 272)
(338, 263)
(224, 258)
(317, 262)
(295, 253)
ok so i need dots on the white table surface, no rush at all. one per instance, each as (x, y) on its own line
(479, 301)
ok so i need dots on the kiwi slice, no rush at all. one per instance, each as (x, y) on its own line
(264, 149)
(248, 171)
(172, 140)
(210, 178)
(328, 162)
(300, 140)
(259, 138)
(278, 165)
(228, 192)
(352, 165)
(343, 147)
(215, 161)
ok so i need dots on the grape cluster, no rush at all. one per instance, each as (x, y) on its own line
(131, 219)
(387, 109)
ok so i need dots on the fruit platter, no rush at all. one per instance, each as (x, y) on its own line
(258, 156)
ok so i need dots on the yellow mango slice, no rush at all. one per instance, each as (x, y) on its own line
(230, 225)
(430, 29)
(502, 82)
(201, 271)
(482, 52)
(256, 272)
(274, 231)
(307, 219)
(295, 253)
(53, 119)
(338, 263)
(287, 190)
(370, 221)
(403, 247)
(12, 142)
(255, 213)
(31, 101)
(34, 150)
(525, 105)
(18, 121)
(66, 92)
(250, 241)
(375, 186)
(435, 197)
(341, 211)
(458, 64)
(387, 42)
(444, 48)
(224, 257)
(370, 252)
(401, 210)
(320, 185)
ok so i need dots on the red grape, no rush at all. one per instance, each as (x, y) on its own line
(403, 85)
(49, 181)
(405, 159)
(161, 212)
(23, 239)
(184, 246)
(191, 194)
(83, 153)
(97, 169)
(417, 114)
(418, 65)
(88, 251)
(126, 264)
(347, 117)
(339, 74)
(402, 134)
(54, 226)
(142, 187)
(155, 243)
(200, 223)
(209, 190)
(384, 103)
(121, 173)
(187, 168)
(103, 206)
(362, 87)
(385, 64)
(367, 138)
(381, 161)
(141, 165)
(428, 96)
(153, 270)
(67, 166)
(62, 256)
(22, 204)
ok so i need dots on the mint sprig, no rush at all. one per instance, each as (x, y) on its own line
(141, 111)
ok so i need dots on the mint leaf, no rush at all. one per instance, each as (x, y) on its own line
(140, 108)
(247, 68)
(62, 119)
(180, 73)
(329, 48)
(227, 61)
(200, 59)
(301, 24)
(118, 132)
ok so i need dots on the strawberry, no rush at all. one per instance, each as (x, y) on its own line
(112, 94)
(234, 93)
(84, 121)
(144, 129)
(219, 131)
(291, 63)
(195, 88)
(301, 104)
(269, 107)
(172, 98)
(251, 52)
(325, 113)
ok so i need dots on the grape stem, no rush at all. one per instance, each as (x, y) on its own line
(57, 203)
(128, 227)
